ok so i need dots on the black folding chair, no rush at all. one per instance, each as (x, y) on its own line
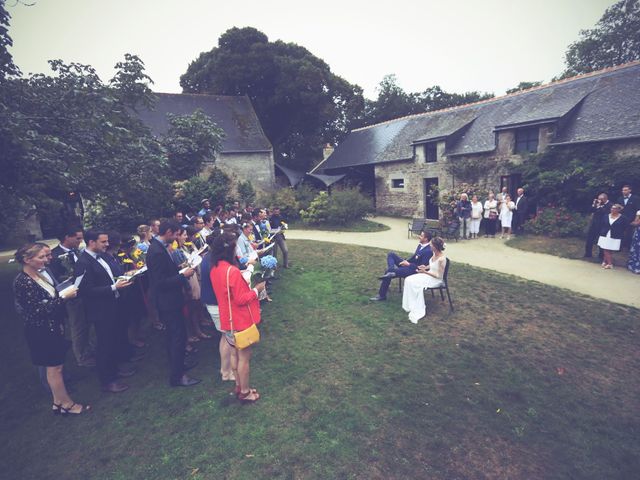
(416, 225)
(444, 287)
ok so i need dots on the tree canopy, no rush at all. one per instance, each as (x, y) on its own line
(394, 102)
(299, 101)
(613, 41)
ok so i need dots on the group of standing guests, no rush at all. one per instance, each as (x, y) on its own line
(614, 226)
(500, 209)
(64, 292)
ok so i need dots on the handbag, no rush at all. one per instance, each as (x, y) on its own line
(247, 337)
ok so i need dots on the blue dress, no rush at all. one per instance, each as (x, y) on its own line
(634, 252)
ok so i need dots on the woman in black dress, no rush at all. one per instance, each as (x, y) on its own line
(42, 310)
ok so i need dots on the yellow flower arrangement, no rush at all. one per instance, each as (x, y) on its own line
(140, 264)
(174, 245)
(136, 253)
(127, 260)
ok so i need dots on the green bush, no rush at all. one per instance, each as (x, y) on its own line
(246, 192)
(341, 207)
(305, 194)
(285, 198)
(555, 221)
(190, 193)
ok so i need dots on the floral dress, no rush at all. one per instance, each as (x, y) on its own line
(634, 252)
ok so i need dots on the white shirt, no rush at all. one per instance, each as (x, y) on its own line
(105, 265)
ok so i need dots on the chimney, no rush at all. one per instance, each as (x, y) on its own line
(326, 151)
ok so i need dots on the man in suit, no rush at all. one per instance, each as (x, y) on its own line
(600, 208)
(65, 256)
(397, 267)
(631, 205)
(99, 290)
(167, 283)
(520, 212)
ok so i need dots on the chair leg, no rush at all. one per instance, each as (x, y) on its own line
(432, 294)
(449, 297)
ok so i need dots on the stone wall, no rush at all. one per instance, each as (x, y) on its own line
(255, 167)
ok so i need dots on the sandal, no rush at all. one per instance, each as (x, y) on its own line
(228, 378)
(83, 409)
(55, 408)
(193, 339)
(204, 335)
(238, 392)
(244, 397)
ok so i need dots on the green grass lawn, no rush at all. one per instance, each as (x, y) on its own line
(362, 225)
(522, 381)
(570, 247)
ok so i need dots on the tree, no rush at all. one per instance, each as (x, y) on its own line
(523, 86)
(299, 101)
(191, 192)
(614, 40)
(191, 140)
(394, 102)
(7, 67)
(70, 132)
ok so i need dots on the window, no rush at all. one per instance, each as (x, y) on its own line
(431, 152)
(527, 140)
(397, 183)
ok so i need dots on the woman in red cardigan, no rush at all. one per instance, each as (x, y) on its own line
(244, 304)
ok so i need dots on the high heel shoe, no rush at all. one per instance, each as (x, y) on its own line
(55, 408)
(67, 411)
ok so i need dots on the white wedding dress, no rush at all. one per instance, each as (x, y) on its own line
(414, 285)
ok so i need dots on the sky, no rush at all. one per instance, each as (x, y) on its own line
(461, 45)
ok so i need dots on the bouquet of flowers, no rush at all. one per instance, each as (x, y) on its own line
(265, 269)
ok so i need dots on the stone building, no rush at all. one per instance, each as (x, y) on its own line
(404, 158)
(246, 151)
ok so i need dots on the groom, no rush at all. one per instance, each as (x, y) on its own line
(398, 267)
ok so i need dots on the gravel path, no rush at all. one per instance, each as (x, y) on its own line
(618, 285)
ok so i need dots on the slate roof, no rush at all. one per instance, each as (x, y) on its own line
(594, 107)
(234, 114)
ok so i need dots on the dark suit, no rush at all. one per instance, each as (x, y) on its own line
(520, 213)
(421, 256)
(167, 286)
(629, 213)
(599, 213)
(101, 307)
(56, 265)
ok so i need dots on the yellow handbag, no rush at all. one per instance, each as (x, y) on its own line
(246, 337)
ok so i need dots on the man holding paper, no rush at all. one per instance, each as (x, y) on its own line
(100, 294)
(167, 282)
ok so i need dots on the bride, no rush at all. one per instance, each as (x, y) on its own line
(427, 277)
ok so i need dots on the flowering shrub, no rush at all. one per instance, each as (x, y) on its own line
(339, 208)
(555, 221)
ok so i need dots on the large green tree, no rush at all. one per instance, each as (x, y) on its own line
(299, 101)
(71, 132)
(614, 40)
(394, 102)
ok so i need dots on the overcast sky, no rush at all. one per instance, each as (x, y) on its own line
(461, 45)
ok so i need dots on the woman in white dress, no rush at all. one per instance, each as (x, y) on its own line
(476, 217)
(490, 215)
(611, 232)
(427, 277)
(506, 215)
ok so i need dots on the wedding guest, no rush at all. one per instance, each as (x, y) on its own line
(179, 217)
(133, 305)
(42, 310)
(633, 263)
(276, 221)
(463, 211)
(506, 216)
(206, 207)
(476, 217)
(402, 268)
(154, 225)
(231, 217)
(167, 282)
(144, 234)
(630, 204)
(611, 233)
(217, 222)
(520, 210)
(490, 215)
(246, 252)
(65, 256)
(600, 209)
(208, 298)
(100, 292)
(208, 228)
(239, 308)
(427, 277)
